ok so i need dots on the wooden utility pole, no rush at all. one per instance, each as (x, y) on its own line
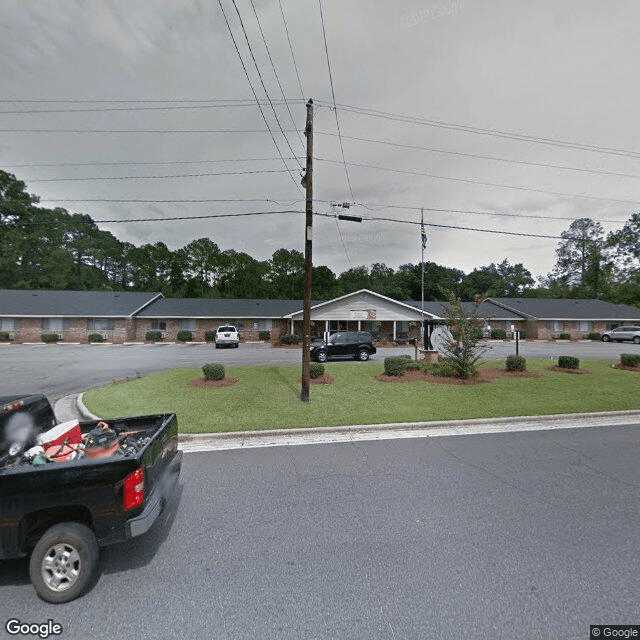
(308, 260)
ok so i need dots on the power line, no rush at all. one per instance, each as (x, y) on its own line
(275, 72)
(184, 175)
(137, 162)
(255, 63)
(167, 201)
(484, 184)
(203, 217)
(293, 57)
(488, 132)
(482, 157)
(246, 73)
(139, 131)
(119, 100)
(333, 97)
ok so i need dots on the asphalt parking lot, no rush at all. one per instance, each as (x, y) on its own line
(61, 369)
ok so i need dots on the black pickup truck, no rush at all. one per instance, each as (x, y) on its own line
(96, 484)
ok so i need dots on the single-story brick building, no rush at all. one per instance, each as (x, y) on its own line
(128, 316)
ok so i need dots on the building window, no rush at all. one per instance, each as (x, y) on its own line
(188, 324)
(262, 325)
(402, 326)
(555, 325)
(158, 325)
(55, 324)
(238, 324)
(586, 326)
(9, 324)
(100, 324)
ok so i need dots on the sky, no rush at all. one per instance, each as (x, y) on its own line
(157, 89)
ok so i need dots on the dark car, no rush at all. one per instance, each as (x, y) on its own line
(344, 344)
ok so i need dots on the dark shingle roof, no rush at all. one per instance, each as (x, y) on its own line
(91, 304)
(567, 309)
(487, 309)
(220, 308)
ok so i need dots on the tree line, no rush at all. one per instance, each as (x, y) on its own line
(43, 248)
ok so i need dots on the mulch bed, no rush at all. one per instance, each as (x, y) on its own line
(203, 383)
(621, 367)
(325, 378)
(486, 375)
(575, 372)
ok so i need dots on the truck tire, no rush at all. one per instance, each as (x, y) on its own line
(63, 561)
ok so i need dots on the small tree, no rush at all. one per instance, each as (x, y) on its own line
(461, 349)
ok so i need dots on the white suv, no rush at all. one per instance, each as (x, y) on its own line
(622, 333)
(227, 335)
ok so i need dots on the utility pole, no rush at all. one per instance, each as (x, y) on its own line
(423, 243)
(307, 182)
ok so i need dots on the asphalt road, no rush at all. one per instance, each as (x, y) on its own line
(57, 370)
(527, 536)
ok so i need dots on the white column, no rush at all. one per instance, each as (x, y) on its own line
(394, 329)
(291, 326)
(326, 326)
(359, 325)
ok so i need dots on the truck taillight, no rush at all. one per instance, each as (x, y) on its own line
(134, 489)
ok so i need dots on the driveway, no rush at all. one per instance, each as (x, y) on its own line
(61, 369)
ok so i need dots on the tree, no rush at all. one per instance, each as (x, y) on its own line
(498, 280)
(625, 246)
(286, 274)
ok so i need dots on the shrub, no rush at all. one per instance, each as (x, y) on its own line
(523, 335)
(395, 365)
(412, 365)
(445, 368)
(316, 370)
(498, 334)
(96, 337)
(50, 337)
(4, 336)
(265, 335)
(210, 336)
(153, 335)
(290, 339)
(568, 362)
(630, 359)
(564, 336)
(594, 335)
(213, 371)
(184, 336)
(516, 363)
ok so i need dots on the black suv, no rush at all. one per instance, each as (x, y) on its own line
(344, 344)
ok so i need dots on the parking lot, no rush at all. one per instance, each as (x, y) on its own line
(60, 369)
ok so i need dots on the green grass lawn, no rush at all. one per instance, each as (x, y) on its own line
(267, 397)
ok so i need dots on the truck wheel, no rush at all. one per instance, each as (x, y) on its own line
(363, 355)
(321, 356)
(63, 562)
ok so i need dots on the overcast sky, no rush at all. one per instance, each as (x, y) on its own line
(551, 69)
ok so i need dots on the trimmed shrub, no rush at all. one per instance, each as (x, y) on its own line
(564, 336)
(516, 363)
(50, 337)
(184, 336)
(444, 368)
(4, 336)
(498, 334)
(290, 339)
(265, 335)
(594, 335)
(210, 336)
(395, 365)
(213, 371)
(153, 335)
(630, 360)
(96, 337)
(568, 362)
(412, 365)
(316, 370)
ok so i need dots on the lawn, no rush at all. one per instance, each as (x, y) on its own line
(267, 397)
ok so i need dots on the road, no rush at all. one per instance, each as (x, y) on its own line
(528, 536)
(57, 370)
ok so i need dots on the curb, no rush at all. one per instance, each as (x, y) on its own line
(85, 414)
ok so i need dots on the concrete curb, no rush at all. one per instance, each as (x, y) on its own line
(82, 409)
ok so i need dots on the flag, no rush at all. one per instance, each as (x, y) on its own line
(423, 235)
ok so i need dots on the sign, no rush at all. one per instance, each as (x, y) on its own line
(363, 314)
(440, 336)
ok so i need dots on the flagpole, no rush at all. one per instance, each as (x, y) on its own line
(422, 243)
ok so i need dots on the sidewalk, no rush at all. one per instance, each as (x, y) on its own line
(72, 407)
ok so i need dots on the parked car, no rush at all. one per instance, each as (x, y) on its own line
(344, 344)
(68, 489)
(622, 333)
(227, 336)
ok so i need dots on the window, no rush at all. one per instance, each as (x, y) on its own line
(555, 325)
(158, 325)
(239, 325)
(9, 324)
(338, 338)
(188, 324)
(55, 324)
(100, 324)
(263, 325)
(402, 326)
(585, 326)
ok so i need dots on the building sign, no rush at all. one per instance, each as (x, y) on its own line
(363, 314)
